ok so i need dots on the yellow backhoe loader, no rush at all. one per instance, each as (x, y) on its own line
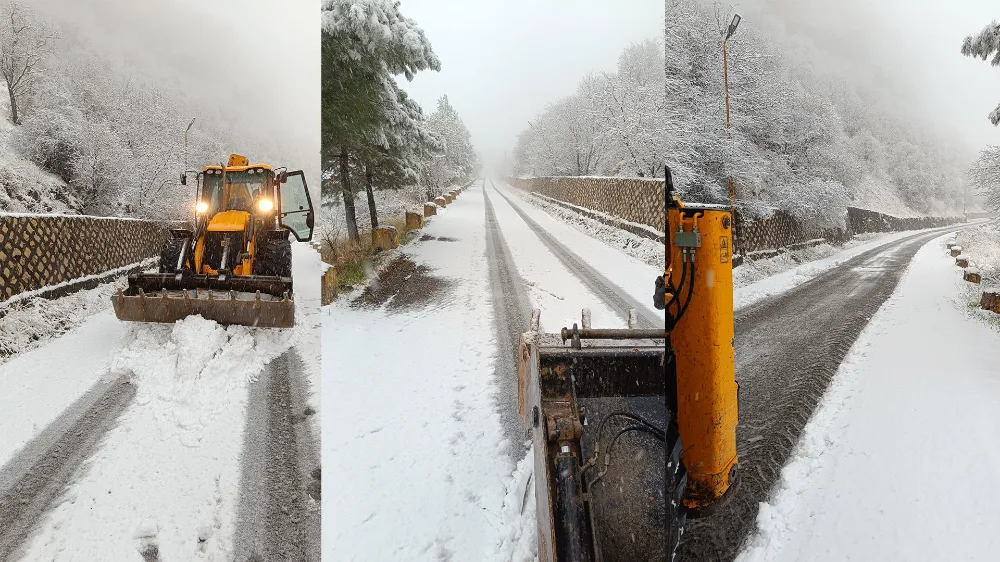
(634, 430)
(235, 266)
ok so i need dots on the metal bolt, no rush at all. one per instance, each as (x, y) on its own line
(534, 416)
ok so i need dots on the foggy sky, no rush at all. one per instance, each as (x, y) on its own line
(259, 58)
(911, 49)
(503, 61)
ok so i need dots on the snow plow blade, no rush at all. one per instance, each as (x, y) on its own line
(594, 401)
(256, 301)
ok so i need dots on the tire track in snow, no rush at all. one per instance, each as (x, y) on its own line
(279, 507)
(616, 299)
(42, 471)
(628, 524)
(511, 315)
(788, 348)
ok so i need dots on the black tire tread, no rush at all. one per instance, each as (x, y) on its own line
(170, 253)
(274, 258)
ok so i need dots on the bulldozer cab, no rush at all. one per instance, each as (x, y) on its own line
(234, 189)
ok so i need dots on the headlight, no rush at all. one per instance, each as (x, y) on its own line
(201, 207)
(265, 205)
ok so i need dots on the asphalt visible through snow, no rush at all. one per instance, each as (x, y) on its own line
(627, 526)
(279, 505)
(279, 515)
(512, 314)
(788, 347)
(32, 482)
(598, 284)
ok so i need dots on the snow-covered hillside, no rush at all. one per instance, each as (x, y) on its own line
(24, 186)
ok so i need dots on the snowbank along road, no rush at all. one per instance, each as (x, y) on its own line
(188, 441)
(788, 348)
(429, 447)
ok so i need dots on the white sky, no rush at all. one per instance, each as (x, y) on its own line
(503, 61)
(914, 49)
(210, 46)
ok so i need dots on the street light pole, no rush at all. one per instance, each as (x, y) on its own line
(186, 143)
(729, 135)
(725, 79)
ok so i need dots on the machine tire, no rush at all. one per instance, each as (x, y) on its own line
(170, 253)
(676, 476)
(274, 258)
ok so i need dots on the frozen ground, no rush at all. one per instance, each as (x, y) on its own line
(166, 474)
(29, 322)
(877, 472)
(419, 433)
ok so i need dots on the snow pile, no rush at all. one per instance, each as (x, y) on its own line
(185, 372)
(168, 475)
(31, 323)
(518, 539)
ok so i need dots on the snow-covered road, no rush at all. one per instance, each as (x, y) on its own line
(897, 463)
(420, 455)
(788, 348)
(125, 438)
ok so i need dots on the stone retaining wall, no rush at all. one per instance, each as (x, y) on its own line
(640, 200)
(637, 200)
(38, 251)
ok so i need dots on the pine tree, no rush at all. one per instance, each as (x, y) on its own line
(983, 45)
(365, 43)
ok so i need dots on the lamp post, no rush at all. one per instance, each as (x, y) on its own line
(725, 78)
(186, 143)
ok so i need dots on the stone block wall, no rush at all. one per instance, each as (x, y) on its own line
(863, 220)
(757, 234)
(640, 200)
(637, 200)
(38, 251)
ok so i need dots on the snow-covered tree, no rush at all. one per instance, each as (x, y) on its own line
(25, 40)
(802, 139)
(984, 176)
(615, 123)
(115, 135)
(458, 160)
(365, 43)
(984, 45)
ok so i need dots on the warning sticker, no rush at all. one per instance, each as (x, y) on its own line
(723, 249)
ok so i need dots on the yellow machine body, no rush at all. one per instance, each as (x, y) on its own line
(702, 341)
(234, 266)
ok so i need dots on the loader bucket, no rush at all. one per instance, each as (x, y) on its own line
(256, 301)
(566, 390)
